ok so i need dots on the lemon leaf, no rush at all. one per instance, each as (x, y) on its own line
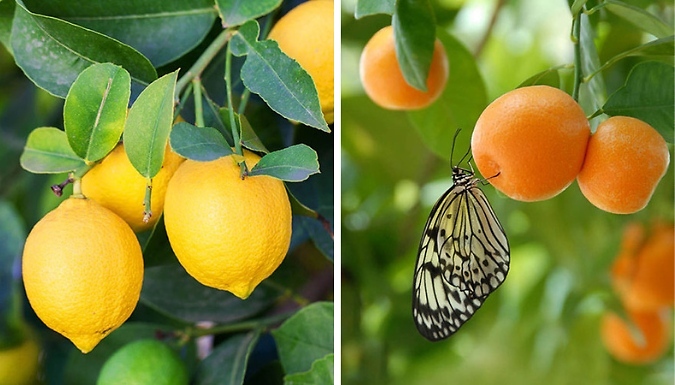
(234, 12)
(305, 337)
(198, 143)
(47, 152)
(320, 373)
(148, 125)
(414, 35)
(95, 110)
(69, 49)
(249, 138)
(291, 164)
(373, 7)
(182, 24)
(226, 365)
(647, 95)
(279, 80)
(171, 291)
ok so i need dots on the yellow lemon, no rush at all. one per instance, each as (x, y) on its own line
(306, 35)
(227, 232)
(83, 271)
(115, 184)
(19, 364)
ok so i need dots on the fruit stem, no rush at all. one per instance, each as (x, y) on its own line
(77, 187)
(197, 92)
(241, 326)
(211, 51)
(147, 212)
(576, 40)
(230, 107)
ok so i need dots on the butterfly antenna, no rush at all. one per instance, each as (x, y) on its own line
(452, 150)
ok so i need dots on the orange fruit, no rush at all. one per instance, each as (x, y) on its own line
(383, 80)
(652, 272)
(624, 265)
(625, 160)
(531, 142)
(643, 342)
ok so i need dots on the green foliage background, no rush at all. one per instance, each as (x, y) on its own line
(542, 325)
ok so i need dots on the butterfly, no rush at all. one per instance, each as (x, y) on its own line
(463, 256)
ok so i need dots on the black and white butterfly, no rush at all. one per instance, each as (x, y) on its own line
(463, 257)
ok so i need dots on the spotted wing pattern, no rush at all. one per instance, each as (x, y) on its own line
(463, 257)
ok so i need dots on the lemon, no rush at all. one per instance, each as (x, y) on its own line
(82, 271)
(306, 35)
(117, 185)
(143, 362)
(228, 233)
(19, 364)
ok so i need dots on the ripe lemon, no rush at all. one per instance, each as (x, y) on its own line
(227, 232)
(115, 184)
(143, 362)
(306, 35)
(83, 271)
(19, 364)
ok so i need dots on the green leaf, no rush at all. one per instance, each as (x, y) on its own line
(460, 105)
(577, 6)
(203, 144)
(226, 365)
(549, 77)
(594, 92)
(279, 80)
(249, 139)
(47, 152)
(639, 17)
(148, 125)
(414, 35)
(6, 15)
(647, 95)
(171, 291)
(664, 47)
(373, 7)
(321, 373)
(305, 337)
(238, 12)
(95, 110)
(292, 164)
(12, 238)
(162, 31)
(52, 52)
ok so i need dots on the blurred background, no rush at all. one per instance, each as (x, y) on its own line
(543, 325)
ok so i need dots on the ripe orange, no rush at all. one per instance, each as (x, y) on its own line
(383, 80)
(625, 160)
(645, 343)
(531, 142)
(650, 278)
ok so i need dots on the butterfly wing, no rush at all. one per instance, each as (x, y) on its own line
(463, 257)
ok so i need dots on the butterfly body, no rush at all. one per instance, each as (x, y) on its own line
(463, 257)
